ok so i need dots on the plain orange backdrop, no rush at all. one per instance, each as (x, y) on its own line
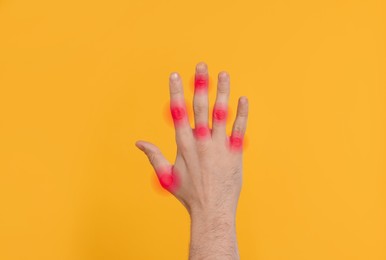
(81, 81)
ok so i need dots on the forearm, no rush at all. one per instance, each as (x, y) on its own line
(213, 236)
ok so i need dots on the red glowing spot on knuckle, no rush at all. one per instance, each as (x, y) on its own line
(178, 113)
(201, 81)
(220, 114)
(168, 178)
(201, 131)
(236, 141)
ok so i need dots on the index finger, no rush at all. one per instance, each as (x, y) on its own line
(178, 109)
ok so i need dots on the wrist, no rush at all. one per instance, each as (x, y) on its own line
(212, 234)
(212, 224)
(212, 216)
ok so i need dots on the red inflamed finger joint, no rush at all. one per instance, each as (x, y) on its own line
(220, 113)
(178, 112)
(236, 141)
(201, 131)
(201, 82)
(168, 179)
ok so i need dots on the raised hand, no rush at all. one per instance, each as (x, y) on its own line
(206, 176)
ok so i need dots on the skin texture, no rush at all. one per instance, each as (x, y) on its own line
(206, 176)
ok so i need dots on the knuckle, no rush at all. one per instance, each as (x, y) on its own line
(223, 88)
(243, 112)
(175, 89)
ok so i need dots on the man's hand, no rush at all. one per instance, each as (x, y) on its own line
(207, 174)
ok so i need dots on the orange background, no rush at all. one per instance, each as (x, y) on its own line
(81, 81)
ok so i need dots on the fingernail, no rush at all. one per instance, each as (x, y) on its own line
(243, 100)
(139, 145)
(223, 76)
(201, 67)
(174, 76)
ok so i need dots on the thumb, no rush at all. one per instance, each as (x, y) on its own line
(161, 165)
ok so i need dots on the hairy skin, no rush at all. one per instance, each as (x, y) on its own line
(206, 176)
